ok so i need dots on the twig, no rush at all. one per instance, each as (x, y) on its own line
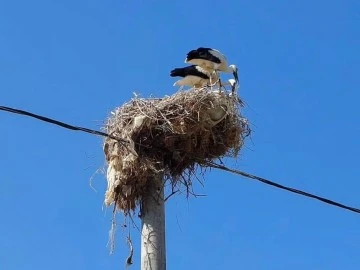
(129, 258)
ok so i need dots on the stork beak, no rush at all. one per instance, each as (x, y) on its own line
(233, 89)
(235, 73)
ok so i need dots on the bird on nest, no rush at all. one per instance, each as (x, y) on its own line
(193, 76)
(212, 60)
(198, 77)
(234, 87)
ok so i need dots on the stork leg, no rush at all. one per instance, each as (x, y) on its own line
(213, 76)
(220, 85)
(211, 84)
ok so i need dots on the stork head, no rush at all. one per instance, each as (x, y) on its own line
(234, 70)
(232, 82)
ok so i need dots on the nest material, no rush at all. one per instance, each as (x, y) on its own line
(171, 135)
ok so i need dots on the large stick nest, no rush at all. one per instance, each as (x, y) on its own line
(173, 136)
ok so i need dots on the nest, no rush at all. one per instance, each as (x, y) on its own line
(172, 135)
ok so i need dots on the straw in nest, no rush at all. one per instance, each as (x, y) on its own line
(172, 135)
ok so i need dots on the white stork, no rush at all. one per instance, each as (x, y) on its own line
(212, 60)
(233, 85)
(193, 76)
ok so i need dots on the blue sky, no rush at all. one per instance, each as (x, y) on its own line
(75, 61)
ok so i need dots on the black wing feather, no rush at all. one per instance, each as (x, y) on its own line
(186, 71)
(202, 53)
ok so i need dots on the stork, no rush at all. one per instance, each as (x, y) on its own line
(193, 76)
(233, 85)
(212, 60)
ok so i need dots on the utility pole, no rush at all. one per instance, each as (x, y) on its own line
(153, 253)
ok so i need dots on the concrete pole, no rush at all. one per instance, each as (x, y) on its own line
(153, 253)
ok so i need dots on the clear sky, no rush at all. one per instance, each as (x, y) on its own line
(75, 61)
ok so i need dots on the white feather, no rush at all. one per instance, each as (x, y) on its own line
(209, 65)
(191, 81)
(219, 55)
(203, 70)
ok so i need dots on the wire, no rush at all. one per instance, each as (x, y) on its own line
(293, 190)
(61, 124)
(210, 164)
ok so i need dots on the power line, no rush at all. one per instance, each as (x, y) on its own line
(61, 124)
(293, 190)
(210, 164)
